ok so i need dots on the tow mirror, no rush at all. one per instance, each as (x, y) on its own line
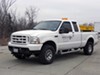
(61, 31)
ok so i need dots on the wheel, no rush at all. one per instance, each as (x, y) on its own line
(47, 54)
(21, 56)
(88, 49)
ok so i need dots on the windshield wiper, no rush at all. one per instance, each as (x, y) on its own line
(40, 29)
(43, 29)
(35, 29)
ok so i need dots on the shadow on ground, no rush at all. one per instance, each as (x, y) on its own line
(58, 58)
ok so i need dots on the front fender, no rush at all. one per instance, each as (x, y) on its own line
(46, 39)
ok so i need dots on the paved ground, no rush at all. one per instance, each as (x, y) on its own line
(69, 64)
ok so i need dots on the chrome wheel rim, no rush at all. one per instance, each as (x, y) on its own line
(48, 55)
(90, 48)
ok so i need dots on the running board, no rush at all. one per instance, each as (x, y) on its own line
(69, 51)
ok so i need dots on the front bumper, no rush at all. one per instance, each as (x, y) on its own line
(30, 47)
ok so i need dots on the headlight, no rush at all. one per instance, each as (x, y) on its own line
(34, 40)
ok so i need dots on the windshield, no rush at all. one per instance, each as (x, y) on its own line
(47, 25)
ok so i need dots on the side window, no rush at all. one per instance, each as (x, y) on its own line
(75, 26)
(66, 26)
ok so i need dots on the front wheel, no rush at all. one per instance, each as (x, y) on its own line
(47, 54)
(88, 49)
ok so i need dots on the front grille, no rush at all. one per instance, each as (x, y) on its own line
(16, 39)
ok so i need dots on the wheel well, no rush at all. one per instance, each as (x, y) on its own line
(91, 40)
(51, 43)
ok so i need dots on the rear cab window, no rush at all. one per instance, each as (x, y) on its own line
(75, 26)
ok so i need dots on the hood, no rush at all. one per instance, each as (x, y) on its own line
(32, 32)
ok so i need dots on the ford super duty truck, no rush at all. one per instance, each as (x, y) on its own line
(51, 37)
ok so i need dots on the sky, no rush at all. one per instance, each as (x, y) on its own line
(83, 11)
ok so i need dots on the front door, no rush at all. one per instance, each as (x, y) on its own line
(66, 36)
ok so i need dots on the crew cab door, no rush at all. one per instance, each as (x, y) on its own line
(65, 36)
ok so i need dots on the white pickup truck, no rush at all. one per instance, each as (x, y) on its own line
(51, 37)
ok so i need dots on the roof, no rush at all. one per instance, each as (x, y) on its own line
(58, 20)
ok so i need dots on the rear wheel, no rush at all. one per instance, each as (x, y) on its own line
(88, 49)
(47, 54)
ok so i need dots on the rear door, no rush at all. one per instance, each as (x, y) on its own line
(77, 35)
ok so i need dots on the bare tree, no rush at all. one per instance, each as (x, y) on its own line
(5, 17)
(31, 15)
(9, 22)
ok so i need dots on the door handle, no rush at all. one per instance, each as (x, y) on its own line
(70, 37)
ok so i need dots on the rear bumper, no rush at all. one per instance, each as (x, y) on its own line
(30, 47)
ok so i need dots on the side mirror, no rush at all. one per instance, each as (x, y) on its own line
(61, 31)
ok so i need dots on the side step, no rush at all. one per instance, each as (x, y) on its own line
(69, 51)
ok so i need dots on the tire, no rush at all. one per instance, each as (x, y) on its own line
(47, 54)
(21, 56)
(88, 49)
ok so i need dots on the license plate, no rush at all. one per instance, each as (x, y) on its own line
(15, 50)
